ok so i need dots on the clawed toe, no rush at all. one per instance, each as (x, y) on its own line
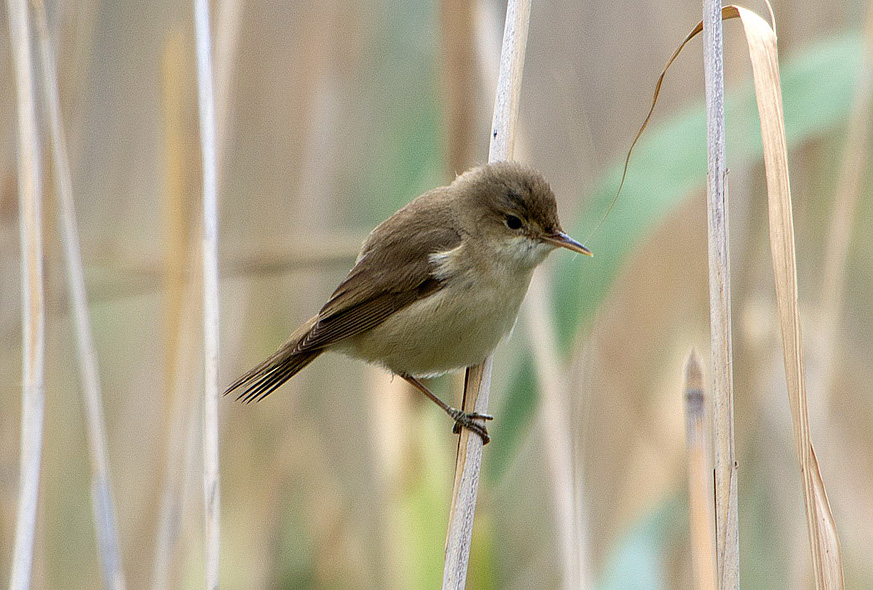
(462, 419)
(478, 416)
(466, 420)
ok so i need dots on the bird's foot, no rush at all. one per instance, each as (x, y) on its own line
(466, 420)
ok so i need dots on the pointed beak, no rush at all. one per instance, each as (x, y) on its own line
(562, 240)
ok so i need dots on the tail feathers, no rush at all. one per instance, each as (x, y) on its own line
(278, 368)
(269, 375)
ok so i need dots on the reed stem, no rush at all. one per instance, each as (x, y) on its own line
(727, 534)
(477, 385)
(103, 504)
(32, 298)
(206, 103)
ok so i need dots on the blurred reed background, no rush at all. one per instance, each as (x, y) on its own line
(333, 114)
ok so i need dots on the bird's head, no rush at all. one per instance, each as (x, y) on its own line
(514, 212)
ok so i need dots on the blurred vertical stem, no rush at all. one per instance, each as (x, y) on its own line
(32, 298)
(458, 87)
(840, 232)
(206, 102)
(103, 504)
(557, 435)
(179, 307)
(727, 534)
(478, 383)
(699, 483)
(175, 213)
(227, 32)
(182, 412)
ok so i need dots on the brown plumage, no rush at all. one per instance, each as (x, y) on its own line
(436, 285)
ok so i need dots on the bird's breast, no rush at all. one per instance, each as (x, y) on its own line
(456, 326)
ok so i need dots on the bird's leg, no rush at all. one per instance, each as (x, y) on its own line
(462, 419)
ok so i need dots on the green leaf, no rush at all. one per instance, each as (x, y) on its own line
(638, 562)
(668, 165)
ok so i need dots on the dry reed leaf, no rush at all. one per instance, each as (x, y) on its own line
(829, 548)
(825, 545)
(761, 40)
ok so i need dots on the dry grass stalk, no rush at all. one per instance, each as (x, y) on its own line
(478, 383)
(394, 450)
(174, 210)
(506, 102)
(726, 520)
(824, 542)
(276, 257)
(726, 516)
(569, 502)
(32, 297)
(103, 504)
(466, 484)
(557, 433)
(227, 32)
(179, 311)
(182, 413)
(700, 506)
(206, 102)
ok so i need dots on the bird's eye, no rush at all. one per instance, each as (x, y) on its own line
(513, 222)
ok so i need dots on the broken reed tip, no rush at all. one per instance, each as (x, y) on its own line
(694, 396)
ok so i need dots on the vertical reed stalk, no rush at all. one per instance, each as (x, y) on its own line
(727, 534)
(32, 297)
(206, 102)
(182, 411)
(699, 478)
(103, 504)
(478, 383)
(467, 469)
(557, 433)
(180, 308)
(174, 207)
(227, 31)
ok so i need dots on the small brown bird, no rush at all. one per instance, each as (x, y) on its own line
(436, 286)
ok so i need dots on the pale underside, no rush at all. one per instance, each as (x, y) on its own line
(458, 325)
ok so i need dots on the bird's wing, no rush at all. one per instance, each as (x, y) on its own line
(388, 276)
(393, 271)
